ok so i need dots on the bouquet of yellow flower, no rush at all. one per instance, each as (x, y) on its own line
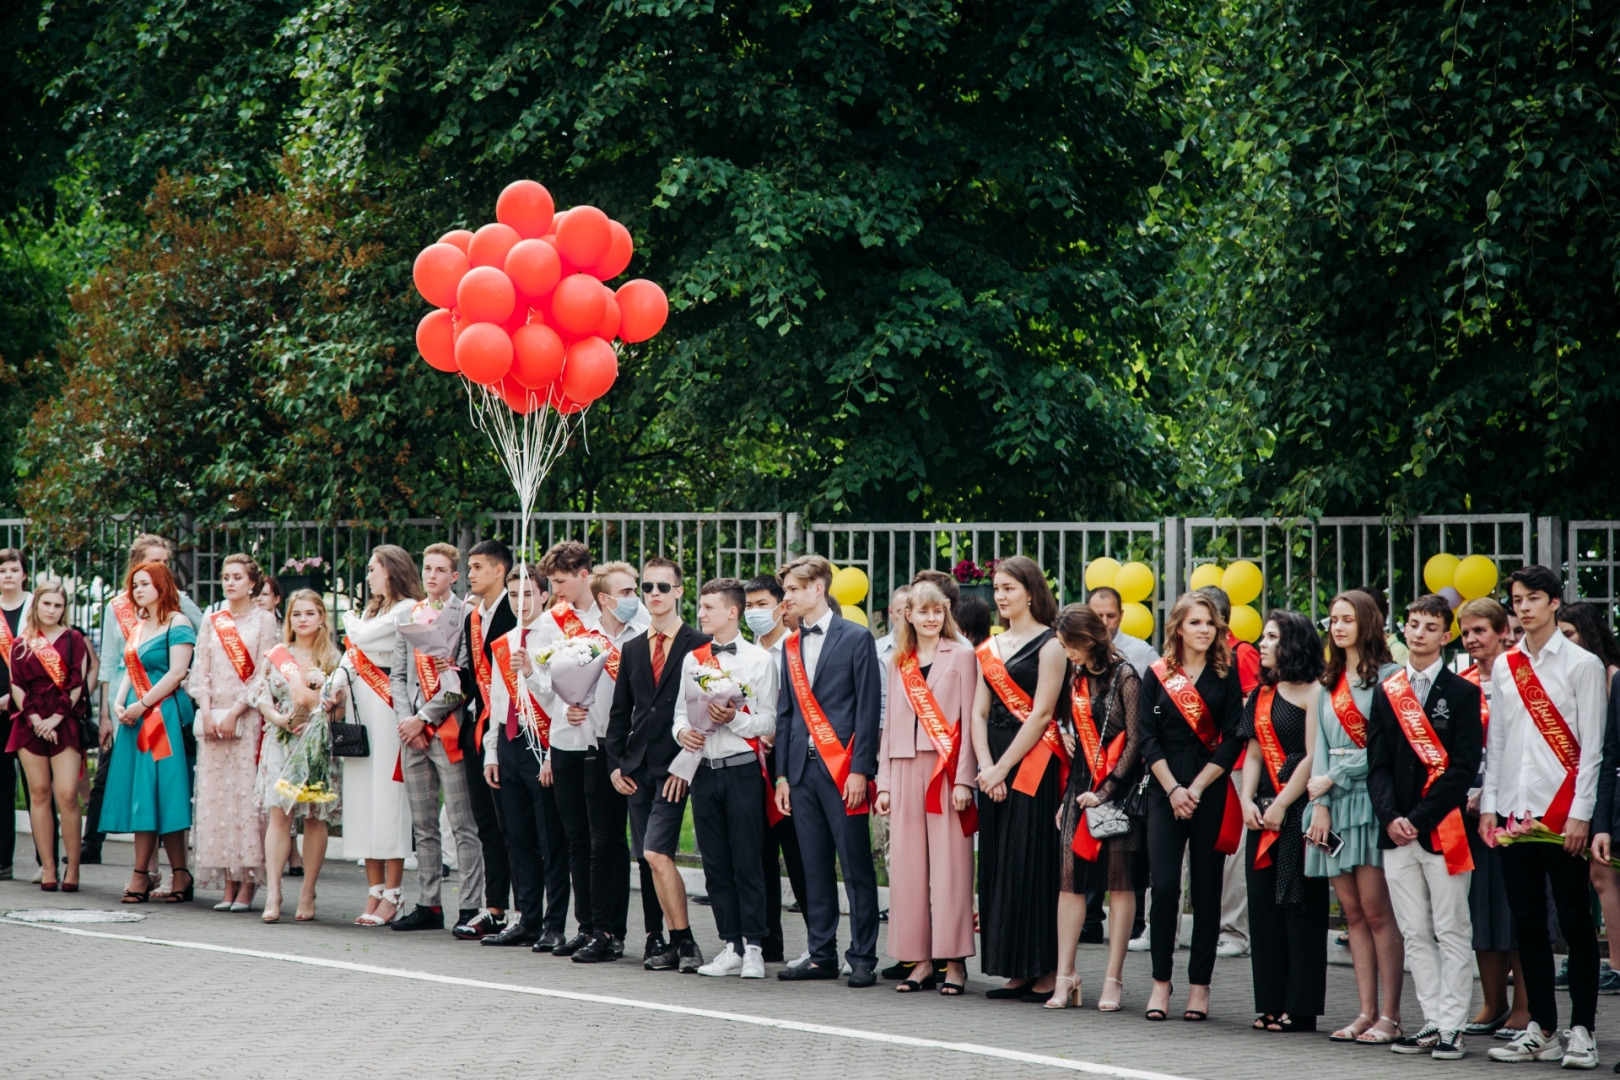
(306, 777)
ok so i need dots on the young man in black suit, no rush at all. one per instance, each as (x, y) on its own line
(1423, 748)
(640, 745)
(830, 671)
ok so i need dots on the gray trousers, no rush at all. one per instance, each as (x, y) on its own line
(427, 774)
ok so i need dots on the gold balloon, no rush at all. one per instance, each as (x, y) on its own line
(1137, 621)
(1134, 582)
(1101, 572)
(1246, 624)
(1440, 571)
(1475, 577)
(849, 586)
(1204, 575)
(1242, 582)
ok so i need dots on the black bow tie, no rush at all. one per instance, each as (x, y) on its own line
(718, 649)
(810, 630)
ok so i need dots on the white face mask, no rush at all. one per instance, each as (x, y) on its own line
(625, 609)
(761, 620)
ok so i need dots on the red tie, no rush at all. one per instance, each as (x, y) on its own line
(657, 656)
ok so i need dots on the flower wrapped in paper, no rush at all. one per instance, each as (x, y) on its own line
(306, 776)
(435, 639)
(707, 686)
(574, 666)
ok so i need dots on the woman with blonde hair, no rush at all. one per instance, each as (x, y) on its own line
(377, 818)
(292, 683)
(1192, 703)
(49, 663)
(926, 770)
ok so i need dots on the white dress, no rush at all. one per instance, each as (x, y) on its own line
(376, 813)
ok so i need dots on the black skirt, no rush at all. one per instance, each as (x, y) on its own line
(1018, 874)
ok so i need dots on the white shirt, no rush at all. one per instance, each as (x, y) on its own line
(1140, 654)
(1431, 673)
(500, 701)
(602, 707)
(754, 667)
(810, 644)
(1522, 774)
(547, 632)
(885, 654)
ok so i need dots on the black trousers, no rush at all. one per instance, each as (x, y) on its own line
(826, 831)
(8, 829)
(1168, 837)
(486, 808)
(781, 851)
(593, 819)
(728, 817)
(1287, 946)
(93, 836)
(533, 838)
(1528, 868)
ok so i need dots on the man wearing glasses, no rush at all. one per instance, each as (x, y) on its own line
(640, 745)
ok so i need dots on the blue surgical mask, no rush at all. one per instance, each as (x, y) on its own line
(760, 620)
(625, 610)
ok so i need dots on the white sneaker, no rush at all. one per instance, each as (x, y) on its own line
(1230, 947)
(1143, 943)
(727, 962)
(753, 962)
(843, 968)
(801, 958)
(1533, 1045)
(1580, 1049)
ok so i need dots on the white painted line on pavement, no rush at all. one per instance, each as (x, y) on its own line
(858, 1034)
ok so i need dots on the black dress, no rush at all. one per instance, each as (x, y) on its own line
(1018, 849)
(1288, 912)
(1115, 706)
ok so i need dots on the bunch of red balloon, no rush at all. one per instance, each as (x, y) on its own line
(521, 304)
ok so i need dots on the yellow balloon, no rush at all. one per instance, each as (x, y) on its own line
(1101, 572)
(1242, 582)
(1440, 570)
(1137, 621)
(1134, 582)
(1246, 624)
(1475, 577)
(855, 615)
(849, 585)
(1204, 575)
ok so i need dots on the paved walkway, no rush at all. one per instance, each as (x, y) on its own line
(189, 992)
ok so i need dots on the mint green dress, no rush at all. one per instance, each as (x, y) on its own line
(1348, 800)
(143, 794)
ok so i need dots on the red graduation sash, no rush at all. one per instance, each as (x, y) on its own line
(481, 673)
(6, 642)
(1272, 753)
(834, 754)
(1554, 729)
(1101, 762)
(372, 676)
(1472, 674)
(1451, 836)
(230, 640)
(947, 743)
(1020, 704)
(50, 659)
(153, 737)
(282, 659)
(1190, 704)
(503, 661)
(1344, 707)
(569, 622)
(704, 655)
(427, 675)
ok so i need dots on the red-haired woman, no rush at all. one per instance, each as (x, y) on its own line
(149, 784)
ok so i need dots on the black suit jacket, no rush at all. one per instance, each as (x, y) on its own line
(1395, 776)
(848, 687)
(500, 621)
(641, 725)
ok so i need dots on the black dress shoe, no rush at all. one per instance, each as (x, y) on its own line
(667, 960)
(618, 948)
(548, 941)
(1091, 934)
(656, 945)
(883, 916)
(420, 918)
(700, 898)
(572, 945)
(861, 976)
(691, 957)
(599, 950)
(90, 857)
(514, 934)
(478, 924)
(807, 971)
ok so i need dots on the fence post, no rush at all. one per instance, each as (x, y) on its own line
(1173, 558)
(794, 531)
(1548, 553)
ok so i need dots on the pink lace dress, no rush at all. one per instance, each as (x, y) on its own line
(228, 831)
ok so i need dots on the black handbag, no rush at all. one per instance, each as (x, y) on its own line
(350, 740)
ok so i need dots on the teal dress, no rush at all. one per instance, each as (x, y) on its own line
(1348, 799)
(144, 795)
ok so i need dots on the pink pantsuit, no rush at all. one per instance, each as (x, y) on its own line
(931, 862)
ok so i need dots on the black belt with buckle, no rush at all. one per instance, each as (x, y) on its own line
(732, 762)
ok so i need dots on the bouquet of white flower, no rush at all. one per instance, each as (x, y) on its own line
(575, 666)
(707, 686)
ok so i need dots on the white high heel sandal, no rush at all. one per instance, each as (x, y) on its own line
(369, 919)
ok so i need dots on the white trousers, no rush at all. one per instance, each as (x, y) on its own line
(1235, 896)
(1431, 908)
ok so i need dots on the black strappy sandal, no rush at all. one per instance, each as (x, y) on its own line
(133, 897)
(911, 985)
(1288, 1025)
(1264, 1021)
(184, 895)
(1158, 1015)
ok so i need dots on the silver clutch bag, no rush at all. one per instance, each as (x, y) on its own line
(1107, 819)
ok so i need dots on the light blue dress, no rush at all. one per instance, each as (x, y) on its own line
(1348, 800)
(144, 795)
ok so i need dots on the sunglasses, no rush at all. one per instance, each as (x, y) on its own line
(662, 586)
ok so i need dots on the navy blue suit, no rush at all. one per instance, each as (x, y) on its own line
(847, 686)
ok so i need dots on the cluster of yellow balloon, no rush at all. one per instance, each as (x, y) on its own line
(1134, 581)
(849, 588)
(1459, 580)
(1242, 582)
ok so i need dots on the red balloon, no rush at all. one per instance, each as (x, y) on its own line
(643, 309)
(436, 340)
(459, 237)
(486, 295)
(584, 237)
(562, 403)
(527, 207)
(577, 306)
(484, 353)
(490, 244)
(609, 326)
(588, 370)
(520, 399)
(534, 267)
(619, 251)
(439, 268)
(537, 356)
